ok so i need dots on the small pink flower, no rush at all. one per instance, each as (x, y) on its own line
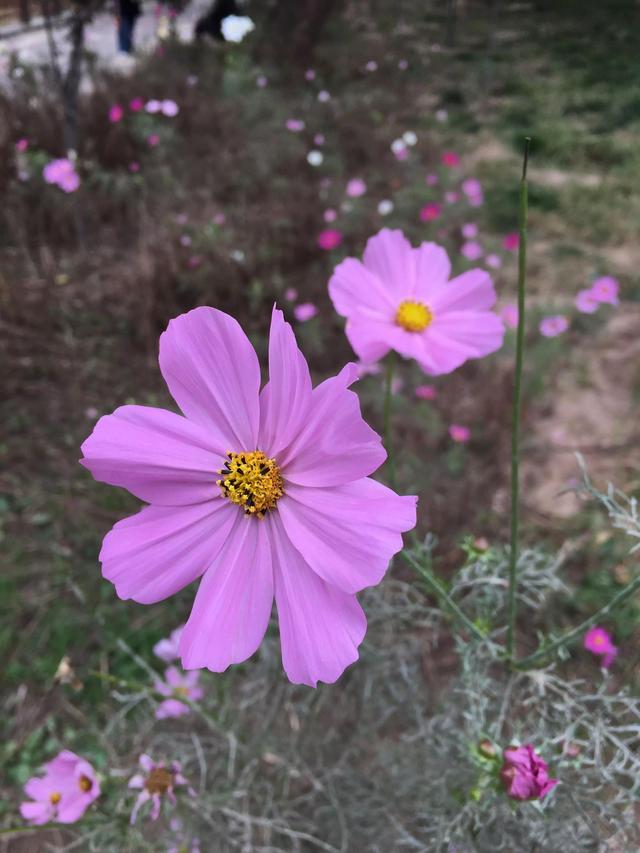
(305, 311)
(586, 302)
(64, 793)
(450, 159)
(153, 106)
(430, 212)
(169, 108)
(116, 113)
(472, 188)
(372, 65)
(329, 239)
(291, 294)
(493, 261)
(524, 774)
(551, 327)
(356, 187)
(219, 219)
(153, 140)
(62, 173)
(431, 180)
(136, 105)
(177, 686)
(509, 314)
(472, 250)
(319, 139)
(185, 240)
(426, 392)
(460, 434)
(605, 289)
(156, 782)
(261, 81)
(324, 96)
(168, 649)
(451, 197)
(22, 144)
(295, 125)
(330, 215)
(511, 241)
(599, 642)
(309, 74)
(469, 231)
(400, 150)
(134, 167)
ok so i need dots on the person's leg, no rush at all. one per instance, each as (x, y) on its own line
(125, 35)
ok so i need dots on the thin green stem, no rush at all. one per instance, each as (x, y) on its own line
(435, 585)
(517, 393)
(387, 419)
(544, 651)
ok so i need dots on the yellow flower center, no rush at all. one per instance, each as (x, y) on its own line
(180, 692)
(159, 780)
(55, 798)
(598, 640)
(85, 784)
(251, 480)
(414, 316)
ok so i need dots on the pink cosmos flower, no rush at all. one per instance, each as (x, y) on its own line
(401, 298)
(431, 180)
(551, 327)
(169, 648)
(116, 113)
(153, 139)
(460, 434)
(309, 74)
(605, 289)
(330, 215)
(153, 106)
(472, 250)
(295, 125)
(261, 81)
(257, 493)
(291, 294)
(511, 241)
(372, 65)
(451, 197)
(599, 642)
(22, 144)
(177, 686)
(469, 230)
(136, 105)
(324, 96)
(586, 302)
(493, 261)
(64, 793)
(134, 167)
(426, 392)
(430, 212)
(305, 311)
(157, 781)
(400, 149)
(356, 187)
(169, 108)
(195, 261)
(219, 219)
(472, 188)
(509, 314)
(450, 159)
(329, 239)
(62, 173)
(525, 774)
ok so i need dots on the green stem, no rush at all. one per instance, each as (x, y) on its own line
(443, 595)
(387, 419)
(545, 651)
(517, 393)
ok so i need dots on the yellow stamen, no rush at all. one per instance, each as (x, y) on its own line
(55, 798)
(85, 783)
(414, 316)
(251, 480)
(181, 692)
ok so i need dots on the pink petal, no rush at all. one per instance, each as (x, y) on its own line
(471, 291)
(136, 781)
(347, 534)
(478, 333)
(284, 402)
(213, 374)
(157, 455)
(433, 268)
(357, 292)
(71, 808)
(369, 338)
(153, 554)
(390, 257)
(233, 604)
(171, 708)
(37, 813)
(320, 626)
(173, 677)
(335, 444)
(146, 762)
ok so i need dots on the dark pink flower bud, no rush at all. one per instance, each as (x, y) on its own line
(524, 774)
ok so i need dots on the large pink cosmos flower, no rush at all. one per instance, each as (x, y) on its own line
(260, 493)
(401, 298)
(64, 793)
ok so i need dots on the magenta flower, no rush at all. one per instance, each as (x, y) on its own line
(64, 793)
(450, 159)
(153, 139)
(605, 289)
(62, 173)
(136, 105)
(22, 144)
(259, 493)
(459, 434)
(176, 687)
(551, 327)
(330, 215)
(134, 167)
(329, 239)
(116, 113)
(156, 782)
(472, 188)
(305, 311)
(599, 642)
(524, 774)
(430, 212)
(356, 187)
(401, 298)
(586, 302)
(510, 314)
(511, 241)
(472, 250)
(169, 648)
(294, 125)
(426, 392)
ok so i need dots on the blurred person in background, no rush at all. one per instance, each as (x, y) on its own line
(128, 12)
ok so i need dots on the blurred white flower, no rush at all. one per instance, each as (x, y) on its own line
(315, 158)
(153, 106)
(398, 145)
(385, 207)
(323, 96)
(169, 108)
(409, 137)
(238, 255)
(236, 27)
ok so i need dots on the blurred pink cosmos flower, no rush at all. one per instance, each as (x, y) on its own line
(509, 314)
(329, 239)
(324, 96)
(401, 298)
(22, 144)
(155, 782)
(64, 793)
(460, 434)
(295, 125)
(605, 289)
(511, 241)
(551, 327)
(451, 197)
(176, 687)
(469, 230)
(431, 180)
(116, 113)
(291, 294)
(153, 106)
(493, 261)
(134, 167)
(426, 392)
(585, 302)
(169, 648)
(472, 188)
(136, 105)
(169, 108)
(599, 642)
(309, 74)
(471, 250)
(356, 187)
(430, 212)
(450, 159)
(305, 311)
(258, 493)
(62, 173)
(330, 215)
(319, 139)
(400, 149)
(372, 65)
(219, 218)
(525, 774)
(261, 81)
(153, 139)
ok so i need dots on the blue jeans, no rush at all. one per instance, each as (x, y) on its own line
(125, 34)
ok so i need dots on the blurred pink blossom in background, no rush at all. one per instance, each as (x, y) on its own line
(606, 289)
(136, 104)
(116, 113)
(551, 327)
(509, 314)
(431, 180)
(153, 139)
(329, 239)
(472, 188)
(450, 159)
(261, 81)
(176, 687)
(295, 125)
(469, 230)
(167, 649)
(430, 212)
(291, 294)
(460, 434)
(426, 392)
(511, 241)
(585, 302)
(356, 187)
(155, 782)
(493, 261)
(62, 173)
(305, 311)
(599, 642)
(22, 144)
(471, 250)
